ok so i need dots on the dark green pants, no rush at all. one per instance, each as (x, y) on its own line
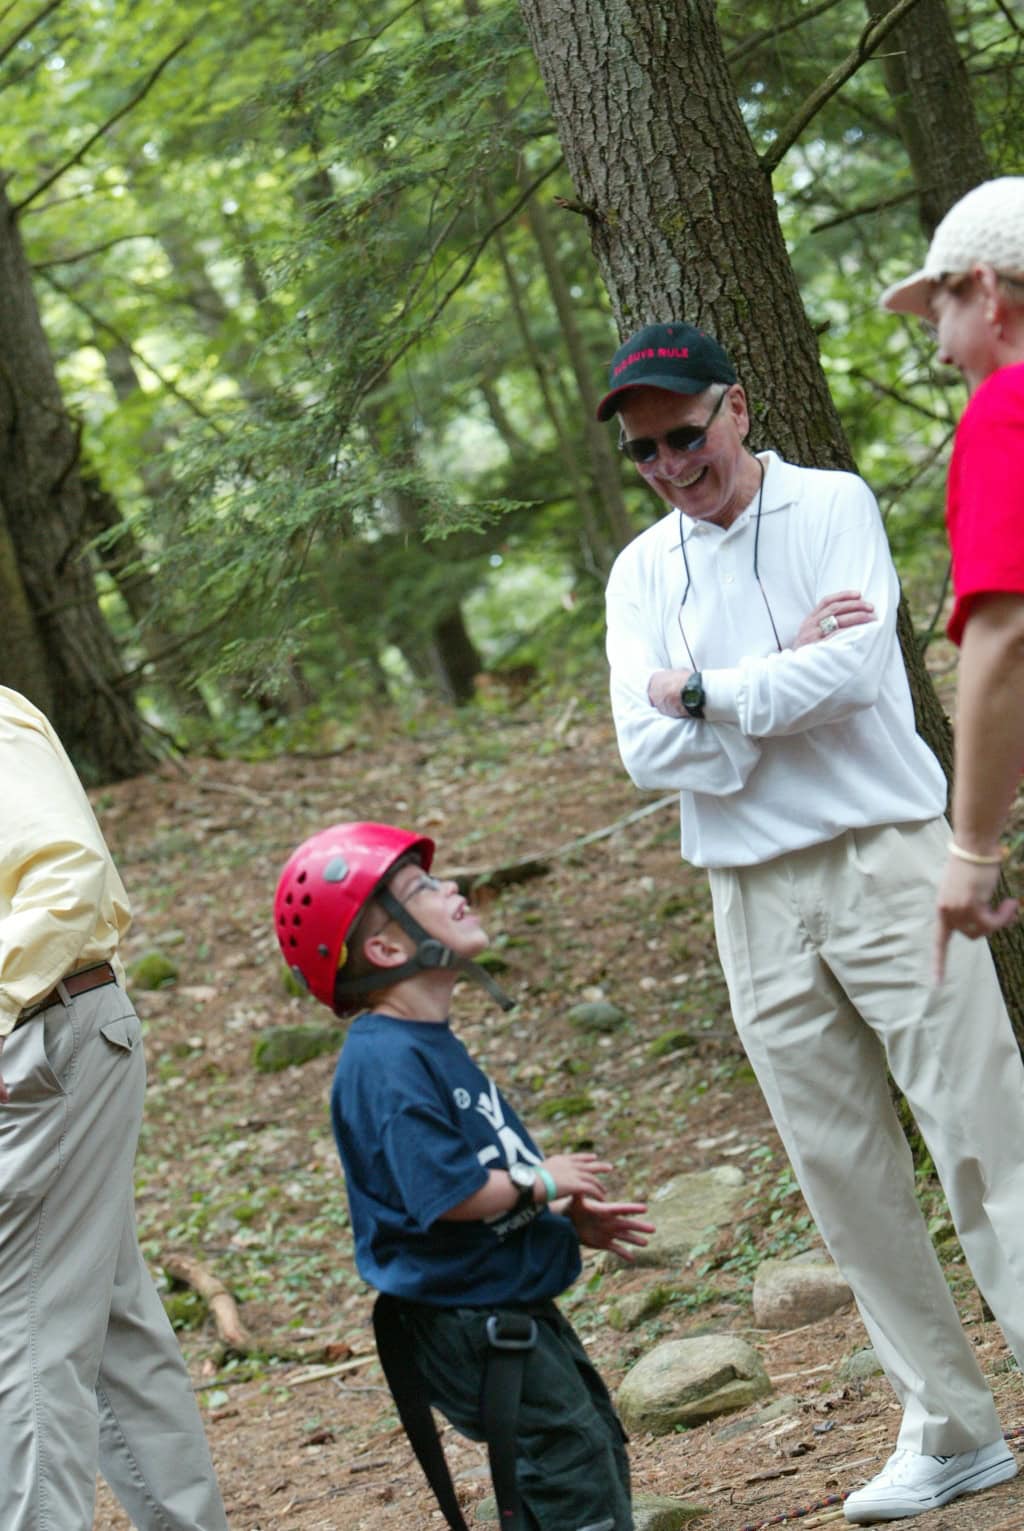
(571, 1463)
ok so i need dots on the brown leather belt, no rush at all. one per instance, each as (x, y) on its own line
(75, 983)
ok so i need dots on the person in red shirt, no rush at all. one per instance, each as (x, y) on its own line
(971, 289)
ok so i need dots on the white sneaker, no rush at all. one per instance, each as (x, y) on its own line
(910, 1483)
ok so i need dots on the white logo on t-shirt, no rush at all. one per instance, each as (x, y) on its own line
(516, 1150)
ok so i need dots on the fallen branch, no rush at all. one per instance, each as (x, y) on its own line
(539, 866)
(230, 1329)
(233, 789)
(318, 1373)
(234, 1337)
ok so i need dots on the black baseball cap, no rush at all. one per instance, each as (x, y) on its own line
(674, 356)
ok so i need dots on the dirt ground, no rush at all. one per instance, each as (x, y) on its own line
(237, 1168)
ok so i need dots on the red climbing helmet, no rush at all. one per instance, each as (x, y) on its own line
(325, 886)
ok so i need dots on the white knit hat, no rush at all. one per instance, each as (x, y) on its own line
(985, 228)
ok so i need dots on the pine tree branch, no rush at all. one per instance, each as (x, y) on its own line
(19, 37)
(1014, 23)
(925, 637)
(103, 324)
(375, 377)
(751, 44)
(898, 397)
(862, 211)
(175, 646)
(122, 111)
(69, 260)
(870, 38)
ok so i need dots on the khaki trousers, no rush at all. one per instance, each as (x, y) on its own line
(827, 955)
(90, 1371)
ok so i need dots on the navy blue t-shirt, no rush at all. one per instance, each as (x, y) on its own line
(418, 1126)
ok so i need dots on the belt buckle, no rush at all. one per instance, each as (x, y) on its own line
(525, 1339)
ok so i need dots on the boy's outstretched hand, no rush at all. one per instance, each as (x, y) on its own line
(610, 1225)
(577, 1174)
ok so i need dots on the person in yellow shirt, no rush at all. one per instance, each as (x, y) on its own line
(92, 1376)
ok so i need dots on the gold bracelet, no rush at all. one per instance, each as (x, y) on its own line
(978, 861)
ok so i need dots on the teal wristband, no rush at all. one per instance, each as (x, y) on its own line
(549, 1182)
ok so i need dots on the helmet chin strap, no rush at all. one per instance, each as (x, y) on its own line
(430, 955)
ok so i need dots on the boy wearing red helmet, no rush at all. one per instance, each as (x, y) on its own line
(459, 1221)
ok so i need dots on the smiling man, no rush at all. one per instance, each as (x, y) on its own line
(755, 667)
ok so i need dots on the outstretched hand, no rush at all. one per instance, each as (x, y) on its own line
(577, 1174)
(965, 905)
(610, 1225)
(846, 608)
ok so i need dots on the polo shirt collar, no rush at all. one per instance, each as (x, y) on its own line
(782, 488)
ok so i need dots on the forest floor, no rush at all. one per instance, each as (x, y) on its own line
(238, 1168)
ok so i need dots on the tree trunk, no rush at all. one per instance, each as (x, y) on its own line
(931, 98)
(682, 217)
(24, 667)
(80, 682)
(684, 226)
(597, 551)
(606, 471)
(441, 652)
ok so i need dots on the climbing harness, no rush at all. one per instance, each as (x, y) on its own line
(511, 1336)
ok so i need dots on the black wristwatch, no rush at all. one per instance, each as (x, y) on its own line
(525, 1179)
(692, 696)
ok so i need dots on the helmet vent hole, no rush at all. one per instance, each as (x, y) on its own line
(306, 900)
(301, 878)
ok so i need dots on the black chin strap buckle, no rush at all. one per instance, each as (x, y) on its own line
(434, 954)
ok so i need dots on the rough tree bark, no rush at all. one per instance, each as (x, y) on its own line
(65, 658)
(683, 225)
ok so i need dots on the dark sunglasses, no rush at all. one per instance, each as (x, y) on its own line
(682, 438)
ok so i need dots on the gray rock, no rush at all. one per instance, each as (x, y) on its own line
(861, 1364)
(655, 1512)
(597, 1015)
(788, 1293)
(636, 1306)
(777, 1409)
(685, 1209)
(688, 1381)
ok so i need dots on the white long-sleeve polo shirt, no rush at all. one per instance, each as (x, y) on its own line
(795, 747)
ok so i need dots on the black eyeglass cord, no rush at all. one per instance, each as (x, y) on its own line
(757, 575)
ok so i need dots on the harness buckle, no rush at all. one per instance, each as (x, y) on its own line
(512, 1331)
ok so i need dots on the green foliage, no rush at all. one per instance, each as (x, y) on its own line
(560, 1107)
(186, 1310)
(289, 1046)
(153, 970)
(673, 1041)
(297, 297)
